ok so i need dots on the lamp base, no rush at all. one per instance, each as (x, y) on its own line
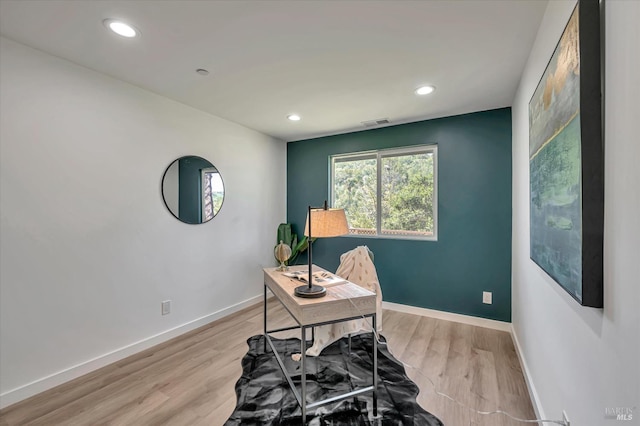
(310, 292)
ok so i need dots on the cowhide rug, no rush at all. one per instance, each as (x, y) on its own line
(264, 396)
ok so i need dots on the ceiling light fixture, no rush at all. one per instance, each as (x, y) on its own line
(121, 28)
(293, 117)
(425, 90)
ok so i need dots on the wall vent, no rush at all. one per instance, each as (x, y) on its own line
(378, 122)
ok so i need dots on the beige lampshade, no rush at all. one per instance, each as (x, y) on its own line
(327, 223)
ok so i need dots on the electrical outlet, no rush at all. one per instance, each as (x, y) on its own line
(487, 297)
(565, 418)
(166, 307)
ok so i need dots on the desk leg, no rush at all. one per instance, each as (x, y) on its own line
(303, 373)
(264, 318)
(375, 368)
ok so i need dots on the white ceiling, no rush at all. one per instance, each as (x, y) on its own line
(336, 63)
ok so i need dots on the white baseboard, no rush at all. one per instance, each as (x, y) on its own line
(535, 400)
(448, 316)
(18, 394)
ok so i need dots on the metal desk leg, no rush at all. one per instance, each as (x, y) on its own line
(264, 317)
(375, 368)
(303, 373)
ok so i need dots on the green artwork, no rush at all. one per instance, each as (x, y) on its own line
(556, 228)
(555, 165)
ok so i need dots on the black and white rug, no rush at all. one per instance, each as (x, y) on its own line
(264, 396)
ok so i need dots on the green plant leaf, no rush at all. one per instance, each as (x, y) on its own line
(288, 237)
(284, 234)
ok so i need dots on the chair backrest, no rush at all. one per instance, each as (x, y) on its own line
(357, 266)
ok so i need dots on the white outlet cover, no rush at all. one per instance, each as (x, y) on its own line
(487, 297)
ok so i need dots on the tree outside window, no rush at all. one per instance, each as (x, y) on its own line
(390, 193)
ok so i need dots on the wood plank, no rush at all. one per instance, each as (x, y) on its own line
(190, 379)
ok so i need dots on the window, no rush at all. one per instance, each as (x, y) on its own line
(388, 193)
(212, 193)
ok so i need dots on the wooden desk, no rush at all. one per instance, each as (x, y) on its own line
(343, 302)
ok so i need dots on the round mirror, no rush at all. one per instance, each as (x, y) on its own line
(192, 189)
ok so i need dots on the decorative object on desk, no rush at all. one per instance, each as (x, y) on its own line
(282, 252)
(264, 396)
(319, 278)
(566, 164)
(297, 245)
(322, 222)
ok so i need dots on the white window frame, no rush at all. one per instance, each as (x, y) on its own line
(379, 155)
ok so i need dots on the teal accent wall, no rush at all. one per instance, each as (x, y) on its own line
(473, 251)
(190, 193)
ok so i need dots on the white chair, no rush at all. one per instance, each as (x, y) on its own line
(356, 266)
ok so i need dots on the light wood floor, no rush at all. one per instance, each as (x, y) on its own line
(190, 380)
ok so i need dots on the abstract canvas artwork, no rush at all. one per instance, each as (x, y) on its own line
(566, 161)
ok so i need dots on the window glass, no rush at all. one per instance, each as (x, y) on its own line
(212, 193)
(407, 194)
(388, 193)
(355, 189)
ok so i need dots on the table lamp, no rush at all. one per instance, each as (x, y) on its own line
(324, 223)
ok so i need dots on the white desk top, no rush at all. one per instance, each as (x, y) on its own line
(337, 304)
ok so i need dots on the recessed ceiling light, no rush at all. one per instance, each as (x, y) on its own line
(293, 117)
(121, 28)
(202, 71)
(425, 90)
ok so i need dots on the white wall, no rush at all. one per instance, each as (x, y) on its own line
(581, 359)
(88, 249)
